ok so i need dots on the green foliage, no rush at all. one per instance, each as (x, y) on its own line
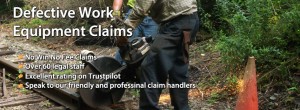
(266, 29)
(134, 92)
(232, 81)
(214, 97)
(46, 103)
(234, 50)
(62, 72)
(36, 22)
(269, 30)
(25, 91)
(292, 89)
(7, 5)
(36, 39)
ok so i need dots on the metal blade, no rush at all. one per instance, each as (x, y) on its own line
(101, 97)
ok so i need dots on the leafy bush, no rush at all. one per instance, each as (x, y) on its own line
(266, 29)
(7, 5)
(269, 30)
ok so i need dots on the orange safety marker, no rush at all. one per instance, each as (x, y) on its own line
(20, 56)
(20, 76)
(21, 65)
(20, 86)
(248, 99)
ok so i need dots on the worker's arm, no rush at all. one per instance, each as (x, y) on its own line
(140, 10)
(117, 7)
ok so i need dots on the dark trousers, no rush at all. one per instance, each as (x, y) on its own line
(166, 60)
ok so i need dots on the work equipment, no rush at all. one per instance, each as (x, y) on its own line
(132, 53)
(97, 97)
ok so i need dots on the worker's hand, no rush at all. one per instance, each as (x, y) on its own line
(118, 23)
(116, 16)
(116, 13)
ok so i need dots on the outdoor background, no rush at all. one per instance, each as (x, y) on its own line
(231, 31)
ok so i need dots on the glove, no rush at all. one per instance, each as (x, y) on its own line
(118, 23)
(116, 13)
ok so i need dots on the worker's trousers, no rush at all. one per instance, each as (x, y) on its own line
(165, 60)
(147, 28)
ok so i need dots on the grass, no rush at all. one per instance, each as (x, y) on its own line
(214, 97)
(56, 72)
(134, 92)
(36, 22)
(36, 39)
(45, 104)
(25, 91)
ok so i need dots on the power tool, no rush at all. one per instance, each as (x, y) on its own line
(133, 51)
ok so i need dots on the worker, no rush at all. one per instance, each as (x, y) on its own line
(168, 55)
(146, 28)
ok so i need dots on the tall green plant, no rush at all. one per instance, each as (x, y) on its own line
(269, 30)
(266, 29)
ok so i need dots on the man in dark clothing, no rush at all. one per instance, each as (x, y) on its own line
(168, 56)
